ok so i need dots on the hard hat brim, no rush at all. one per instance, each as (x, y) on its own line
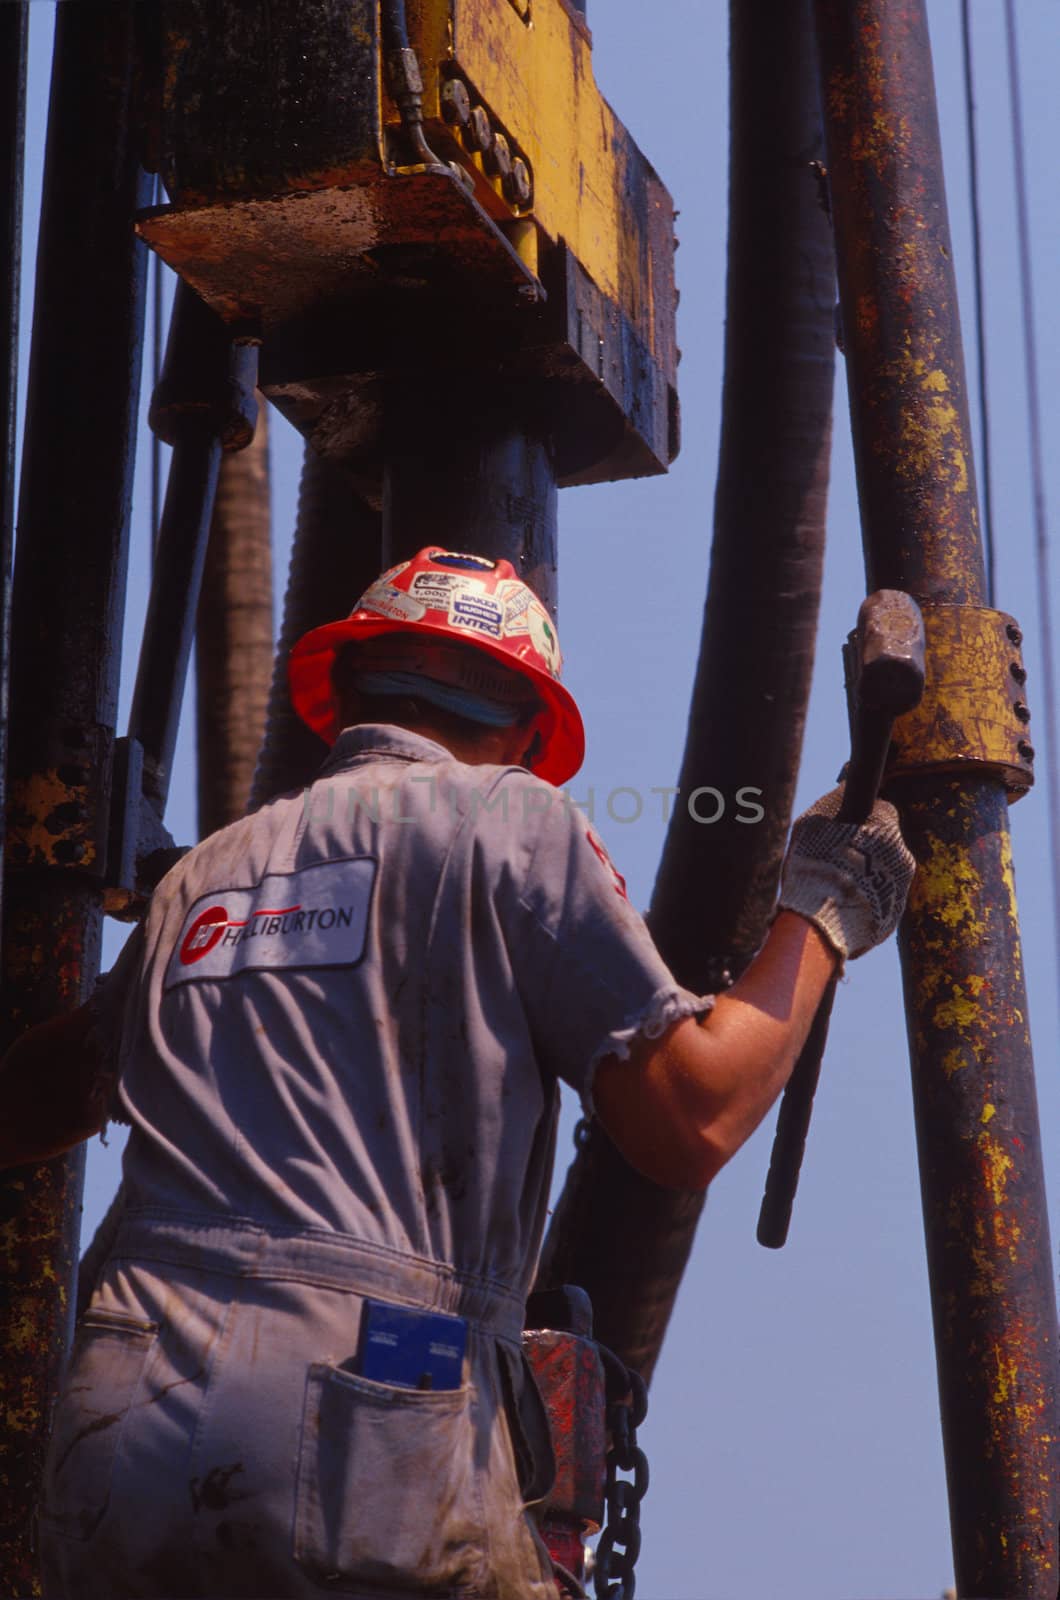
(310, 665)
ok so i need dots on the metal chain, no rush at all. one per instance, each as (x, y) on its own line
(619, 1546)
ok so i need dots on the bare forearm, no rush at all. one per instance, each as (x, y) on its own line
(760, 1025)
(686, 1102)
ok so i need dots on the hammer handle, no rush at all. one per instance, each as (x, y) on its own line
(793, 1124)
(872, 735)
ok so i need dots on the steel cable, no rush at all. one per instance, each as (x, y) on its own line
(1034, 426)
(980, 318)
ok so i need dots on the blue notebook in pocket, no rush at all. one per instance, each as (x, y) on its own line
(410, 1348)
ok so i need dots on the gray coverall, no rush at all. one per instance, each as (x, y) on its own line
(345, 1020)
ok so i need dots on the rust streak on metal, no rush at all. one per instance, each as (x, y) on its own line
(68, 598)
(233, 638)
(902, 334)
(981, 1168)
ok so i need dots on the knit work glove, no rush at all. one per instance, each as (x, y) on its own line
(849, 879)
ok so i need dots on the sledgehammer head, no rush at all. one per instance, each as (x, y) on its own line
(890, 642)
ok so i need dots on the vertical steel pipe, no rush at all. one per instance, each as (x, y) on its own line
(460, 477)
(622, 1238)
(204, 404)
(473, 476)
(336, 553)
(973, 1078)
(14, 44)
(233, 634)
(169, 627)
(69, 591)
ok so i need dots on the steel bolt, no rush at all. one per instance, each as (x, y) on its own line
(1026, 750)
(456, 103)
(517, 186)
(1014, 633)
(1022, 711)
(463, 176)
(478, 132)
(1018, 672)
(498, 157)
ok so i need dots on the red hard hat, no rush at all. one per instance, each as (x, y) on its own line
(462, 599)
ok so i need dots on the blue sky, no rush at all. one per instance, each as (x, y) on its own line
(793, 1433)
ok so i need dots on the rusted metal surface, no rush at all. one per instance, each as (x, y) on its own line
(982, 1183)
(203, 404)
(233, 634)
(170, 622)
(336, 554)
(268, 260)
(625, 1239)
(311, 70)
(973, 1079)
(974, 718)
(901, 327)
(570, 1376)
(69, 586)
(261, 96)
(539, 246)
(473, 477)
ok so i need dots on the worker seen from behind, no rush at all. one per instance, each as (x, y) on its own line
(338, 1037)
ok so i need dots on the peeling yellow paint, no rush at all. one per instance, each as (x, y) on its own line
(953, 1061)
(989, 1112)
(1007, 1376)
(997, 1164)
(948, 885)
(958, 1012)
(32, 827)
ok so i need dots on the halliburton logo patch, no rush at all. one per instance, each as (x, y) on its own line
(314, 918)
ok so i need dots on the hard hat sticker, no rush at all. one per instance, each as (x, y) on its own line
(438, 589)
(517, 600)
(390, 601)
(314, 918)
(543, 637)
(477, 615)
(390, 574)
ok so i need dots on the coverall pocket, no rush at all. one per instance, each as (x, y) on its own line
(387, 1495)
(106, 1365)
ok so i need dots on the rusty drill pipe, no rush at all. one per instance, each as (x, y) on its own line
(974, 1095)
(479, 477)
(203, 405)
(624, 1239)
(337, 551)
(233, 634)
(69, 594)
(473, 483)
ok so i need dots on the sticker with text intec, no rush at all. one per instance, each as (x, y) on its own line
(479, 614)
(314, 918)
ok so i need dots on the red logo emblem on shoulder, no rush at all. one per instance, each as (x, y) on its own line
(203, 934)
(617, 879)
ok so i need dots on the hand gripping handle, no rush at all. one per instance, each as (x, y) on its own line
(890, 647)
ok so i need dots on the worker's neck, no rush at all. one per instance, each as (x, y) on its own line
(474, 746)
